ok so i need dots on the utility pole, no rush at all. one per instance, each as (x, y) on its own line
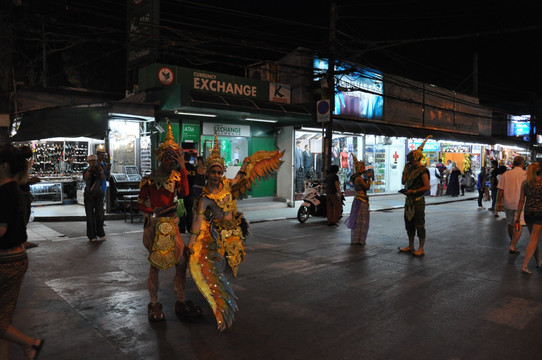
(475, 74)
(331, 86)
(43, 54)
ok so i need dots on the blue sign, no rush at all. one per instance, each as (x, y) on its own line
(519, 128)
(429, 146)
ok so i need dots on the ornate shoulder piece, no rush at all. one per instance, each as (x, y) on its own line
(145, 180)
(259, 165)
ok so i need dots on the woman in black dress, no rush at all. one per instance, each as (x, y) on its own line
(453, 183)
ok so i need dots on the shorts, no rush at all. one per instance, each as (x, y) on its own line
(511, 217)
(533, 217)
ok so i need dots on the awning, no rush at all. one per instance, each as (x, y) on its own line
(360, 127)
(84, 121)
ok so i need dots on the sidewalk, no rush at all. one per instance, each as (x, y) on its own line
(255, 209)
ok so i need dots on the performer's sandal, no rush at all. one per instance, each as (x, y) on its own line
(418, 253)
(155, 312)
(186, 310)
(36, 349)
(405, 250)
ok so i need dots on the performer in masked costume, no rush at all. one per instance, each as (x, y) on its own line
(416, 181)
(158, 195)
(358, 221)
(219, 230)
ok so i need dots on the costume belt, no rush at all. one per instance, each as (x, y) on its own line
(163, 248)
(230, 241)
(362, 197)
(412, 198)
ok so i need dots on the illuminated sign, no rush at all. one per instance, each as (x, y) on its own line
(519, 125)
(358, 91)
(428, 147)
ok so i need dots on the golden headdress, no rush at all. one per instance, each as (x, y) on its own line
(417, 155)
(357, 164)
(215, 158)
(169, 143)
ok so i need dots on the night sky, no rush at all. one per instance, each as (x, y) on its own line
(430, 41)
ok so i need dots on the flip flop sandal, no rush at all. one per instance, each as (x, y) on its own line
(407, 250)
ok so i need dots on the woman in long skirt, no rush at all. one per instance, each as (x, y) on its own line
(358, 221)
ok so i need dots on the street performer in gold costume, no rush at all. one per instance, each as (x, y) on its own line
(158, 195)
(219, 230)
(416, 181)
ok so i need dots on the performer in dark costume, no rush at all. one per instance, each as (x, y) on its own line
(416, 182)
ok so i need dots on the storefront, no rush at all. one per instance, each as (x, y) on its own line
(59, 160)
(383, 155)
(246, 114)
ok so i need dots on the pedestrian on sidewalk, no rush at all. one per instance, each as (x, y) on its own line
(453, 181)
(462, 184)
(358, 221)
(481, 186)
(333, 196)
(416, 181)
(158, 193)
(509, 187)
(434, 179)
(13, 258)
(531, 197)
(94, 199)
(185, 221)
(25, 181)
(494, 171)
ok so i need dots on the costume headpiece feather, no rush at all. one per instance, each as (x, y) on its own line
(416, 155)
(357, 164)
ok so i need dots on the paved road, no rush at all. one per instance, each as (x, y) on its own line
(304, 293)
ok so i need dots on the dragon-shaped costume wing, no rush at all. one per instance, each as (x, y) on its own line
(259, 165)
(207, 270)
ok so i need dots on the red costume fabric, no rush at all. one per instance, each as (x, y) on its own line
(155, 195)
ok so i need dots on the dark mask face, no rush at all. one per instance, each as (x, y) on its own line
(169, 155)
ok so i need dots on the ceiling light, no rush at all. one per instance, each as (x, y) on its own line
(194, 114)
(311, 129)
(260, 120)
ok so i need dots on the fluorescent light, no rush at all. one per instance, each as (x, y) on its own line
(310, 129)
(194, 114)
(260, 120)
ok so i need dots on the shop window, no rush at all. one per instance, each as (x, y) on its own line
(123, 138)
(234, 149)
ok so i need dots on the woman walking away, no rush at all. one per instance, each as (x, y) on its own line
(481, 186)
(531, 197)
(358, 221)
(13, 259)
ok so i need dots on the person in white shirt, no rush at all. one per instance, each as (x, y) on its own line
(509, 192)
(434, 179)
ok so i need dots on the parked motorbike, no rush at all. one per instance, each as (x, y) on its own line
(314, 202)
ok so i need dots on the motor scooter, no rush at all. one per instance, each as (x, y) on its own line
(314, 202)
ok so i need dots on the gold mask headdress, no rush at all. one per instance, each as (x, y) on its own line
(417, 155)
(169, 143)
(357, 164)
(215, 158)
